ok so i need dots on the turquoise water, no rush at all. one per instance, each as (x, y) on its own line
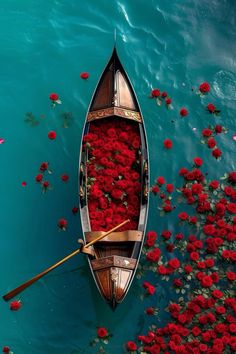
(45, 45)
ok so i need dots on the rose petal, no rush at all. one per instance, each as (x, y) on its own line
(234, 137)
(24, 184)
(2, 140)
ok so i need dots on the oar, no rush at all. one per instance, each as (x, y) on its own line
(25, 285)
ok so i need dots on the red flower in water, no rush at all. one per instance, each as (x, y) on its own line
(168, 101)
(183, 216)
(168, 144)
(204, 87)
(52, 135)
(62, 224)
(211, 108)
(214, 184)
(183, 112)
(102, 332)
(198, 161)
(24, 184)
(232, 177)
(44, 166)
(64, 178)
(149, 287)
(164, 94)
(218, 129)
(150, 311)
(75, 210)
(174, 263)
(54, 97)
(216, 153)
(155, 190)
(6, 349)
(160, 180)
(207, 132)
(169, 188)
(15, 305)
(84, 75)
(39, 177)
(155, 93)
(131, 346)
(211, 143)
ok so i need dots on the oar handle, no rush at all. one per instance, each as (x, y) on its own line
(22, 287)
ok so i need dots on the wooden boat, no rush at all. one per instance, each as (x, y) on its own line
(114, 181)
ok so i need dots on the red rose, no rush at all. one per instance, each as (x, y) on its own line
(45, 184)
(198, 161)
(188, 268)
(168, 144)
(149, 287)
(232, 177)
(206, 281)
(75, 210)
(15, 305)
(6, 349)
(164, 94)
(39, 177)
(62, 224)
(150, 311)
(52, 135)
(211, 143)
(218, 129)
(214, 184)
(24, 184)
(155, 190)
(116, 193)
(155, 93)
(183, 216)
(166, 234)
(160, 180)
(194, 256)
(206, 132)
(177, 282)
(174, 263)
(64, 178)
(162, 270)
(204, 87)
(183, 112)
(169, 188)
(167, 208)
(168, 101)
(231, 207)
(84, 75)
(209, 229)
(53, 96)
(44, 166)
(216, 153)
(102, 332)
(131, 346)
(211, 108)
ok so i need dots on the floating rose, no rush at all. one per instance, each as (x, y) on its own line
(52, 135)
(39, 177)
(75, 210)
(168, 101)
(198, 161)
(183, 112)
(216, 153)
(131, 346)
(24, 184)
(204, 87)
(62, 224)
(44, 166)
(45, 186)
(164, 94)
(102, 332)
(155, 93)
(168, 144)
(2, 140)
(54, 97)
(7, 350)
(64, 178)
(15, 305)
(84, 75)
(211, 108)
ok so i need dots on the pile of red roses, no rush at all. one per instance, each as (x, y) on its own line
(113, 172)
